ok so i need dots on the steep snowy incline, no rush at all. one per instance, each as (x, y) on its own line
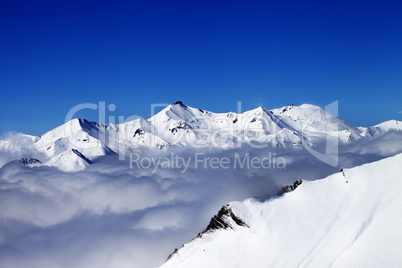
(71, 145)
(312, 120)
(349, 219)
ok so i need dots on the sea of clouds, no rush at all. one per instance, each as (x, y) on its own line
(118, 214)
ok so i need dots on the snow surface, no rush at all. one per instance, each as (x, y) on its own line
(350, 219)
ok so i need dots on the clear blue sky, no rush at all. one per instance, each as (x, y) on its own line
(209, 54)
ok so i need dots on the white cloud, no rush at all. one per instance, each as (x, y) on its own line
(114, 216)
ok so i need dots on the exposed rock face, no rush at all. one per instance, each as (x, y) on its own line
(290, 188)
(78, 153)
(180, 125)
(344, 175)
(139, 132)
(225, 219)
(222, 220)
(28, 161)
(180, 103)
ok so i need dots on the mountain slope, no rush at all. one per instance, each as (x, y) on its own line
(71, 145)
(378, 130)
(349, 219)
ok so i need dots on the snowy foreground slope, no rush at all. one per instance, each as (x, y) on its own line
(350, 219)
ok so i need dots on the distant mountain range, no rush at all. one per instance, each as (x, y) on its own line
(74, 145)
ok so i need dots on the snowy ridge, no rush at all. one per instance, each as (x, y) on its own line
(181, 126)
(378, 130)
(70, 146)
(349, 219)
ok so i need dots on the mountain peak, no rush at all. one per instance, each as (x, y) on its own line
(262, 109)
(311, 106)
(180, 103)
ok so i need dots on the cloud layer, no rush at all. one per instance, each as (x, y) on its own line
(111, 215)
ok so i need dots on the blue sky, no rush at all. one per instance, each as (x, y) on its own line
(209, 54)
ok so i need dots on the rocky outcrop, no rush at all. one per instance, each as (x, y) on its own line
(224, 220)
(290, 188)
(28, 161)
(139, 132)
(79, 154)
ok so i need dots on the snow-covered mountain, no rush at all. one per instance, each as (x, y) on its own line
(74, 145)
(380, 129)
(350, 219)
